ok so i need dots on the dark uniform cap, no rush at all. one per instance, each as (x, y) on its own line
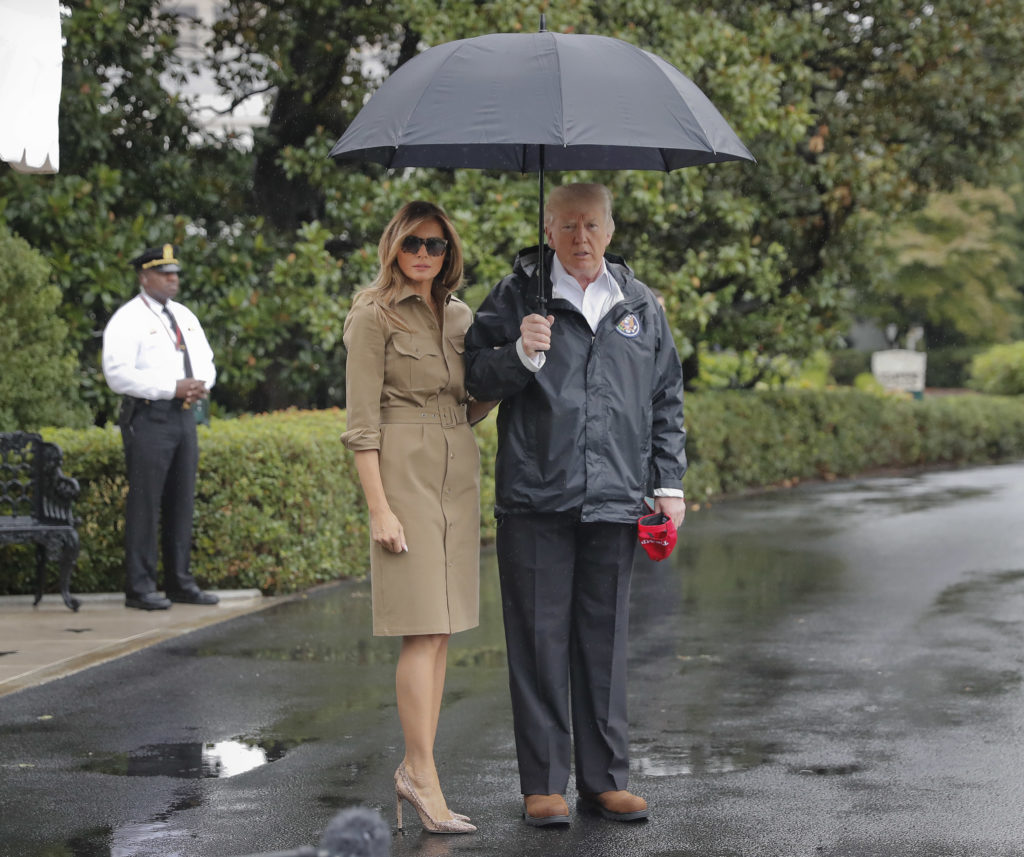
(157, 259)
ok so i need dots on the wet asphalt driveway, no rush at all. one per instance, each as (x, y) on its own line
(834, 670)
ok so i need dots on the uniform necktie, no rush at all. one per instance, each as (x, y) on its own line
(179, 341)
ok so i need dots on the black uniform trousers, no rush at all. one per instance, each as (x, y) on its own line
(162, 454)
(565, 601)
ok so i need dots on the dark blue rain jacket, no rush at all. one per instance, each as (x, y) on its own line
(601, 423)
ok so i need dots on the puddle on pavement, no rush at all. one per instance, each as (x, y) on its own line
(747, 579)
(193, 760)
(89, 843)
(156, 835)
(830, 770)
(893, 496)
(981, 592)
(972, 681)
(656, 761)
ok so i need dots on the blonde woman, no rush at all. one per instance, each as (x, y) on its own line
(409, 426)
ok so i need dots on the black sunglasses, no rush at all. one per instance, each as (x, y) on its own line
(435, 246)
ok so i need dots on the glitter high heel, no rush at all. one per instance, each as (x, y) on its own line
(405, 790)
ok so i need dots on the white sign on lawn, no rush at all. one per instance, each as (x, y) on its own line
(899, 369)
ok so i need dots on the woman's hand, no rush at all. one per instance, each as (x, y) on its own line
(386, 530)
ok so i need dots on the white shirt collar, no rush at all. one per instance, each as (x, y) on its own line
(595, 301)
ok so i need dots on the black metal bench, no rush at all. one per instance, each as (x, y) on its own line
(35, 506)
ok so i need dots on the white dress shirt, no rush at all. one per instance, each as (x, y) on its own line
(140, 353)
(594, 302)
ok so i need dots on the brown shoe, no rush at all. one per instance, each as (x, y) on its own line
(542, 810)
(615, 805)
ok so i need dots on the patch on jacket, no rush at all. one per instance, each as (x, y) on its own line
(629, 326)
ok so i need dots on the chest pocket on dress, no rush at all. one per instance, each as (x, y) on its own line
(457, 341)
(418, 363)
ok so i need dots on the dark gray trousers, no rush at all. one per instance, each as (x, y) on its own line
(162, 454)
(565, 601)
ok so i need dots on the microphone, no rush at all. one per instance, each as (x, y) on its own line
(356, 832)
(353, 832)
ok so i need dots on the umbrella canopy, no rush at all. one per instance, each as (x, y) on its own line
(504, 100)
(537, 101)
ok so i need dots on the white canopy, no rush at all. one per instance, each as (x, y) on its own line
(30, 77)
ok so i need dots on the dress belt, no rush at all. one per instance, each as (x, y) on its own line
(447, 415)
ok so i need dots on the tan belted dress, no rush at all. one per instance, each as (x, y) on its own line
(406, 397)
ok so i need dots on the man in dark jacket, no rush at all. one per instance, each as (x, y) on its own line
(591, 420)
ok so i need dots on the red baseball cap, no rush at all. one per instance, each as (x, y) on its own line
(657, 535)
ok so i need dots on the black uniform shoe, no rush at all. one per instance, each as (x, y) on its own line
(149, 601)
(195, 596)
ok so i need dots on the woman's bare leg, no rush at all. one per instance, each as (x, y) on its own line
(419, 685)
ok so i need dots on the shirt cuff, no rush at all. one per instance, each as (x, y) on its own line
(534, 364)
(667, 492)
(359, 439)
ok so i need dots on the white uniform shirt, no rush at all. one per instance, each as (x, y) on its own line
(140, 355)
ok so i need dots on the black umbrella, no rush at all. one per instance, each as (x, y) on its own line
(539, 101)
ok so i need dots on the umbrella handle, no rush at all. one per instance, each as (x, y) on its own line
(542, 301)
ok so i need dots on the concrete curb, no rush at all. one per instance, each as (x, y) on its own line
(117, 597)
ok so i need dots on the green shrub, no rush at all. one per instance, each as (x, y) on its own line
(38, 375)
(279, 507)
(950, 367)
(814, 372)
(738, 441)
(728, 369)
(999, 371)
(848, 363)
(866, 382)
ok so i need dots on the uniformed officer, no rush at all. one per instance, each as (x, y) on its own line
(156, 355)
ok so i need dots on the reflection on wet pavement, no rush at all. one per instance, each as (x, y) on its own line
(209, 760)
(156, 835)
(671, 760)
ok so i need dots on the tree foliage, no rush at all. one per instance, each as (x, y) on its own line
(855, 111)
(854, 118)
(951, 268)
(37, 372)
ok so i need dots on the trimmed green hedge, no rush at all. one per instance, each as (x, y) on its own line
(740, 440)
(999, 370)
(279, 506)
